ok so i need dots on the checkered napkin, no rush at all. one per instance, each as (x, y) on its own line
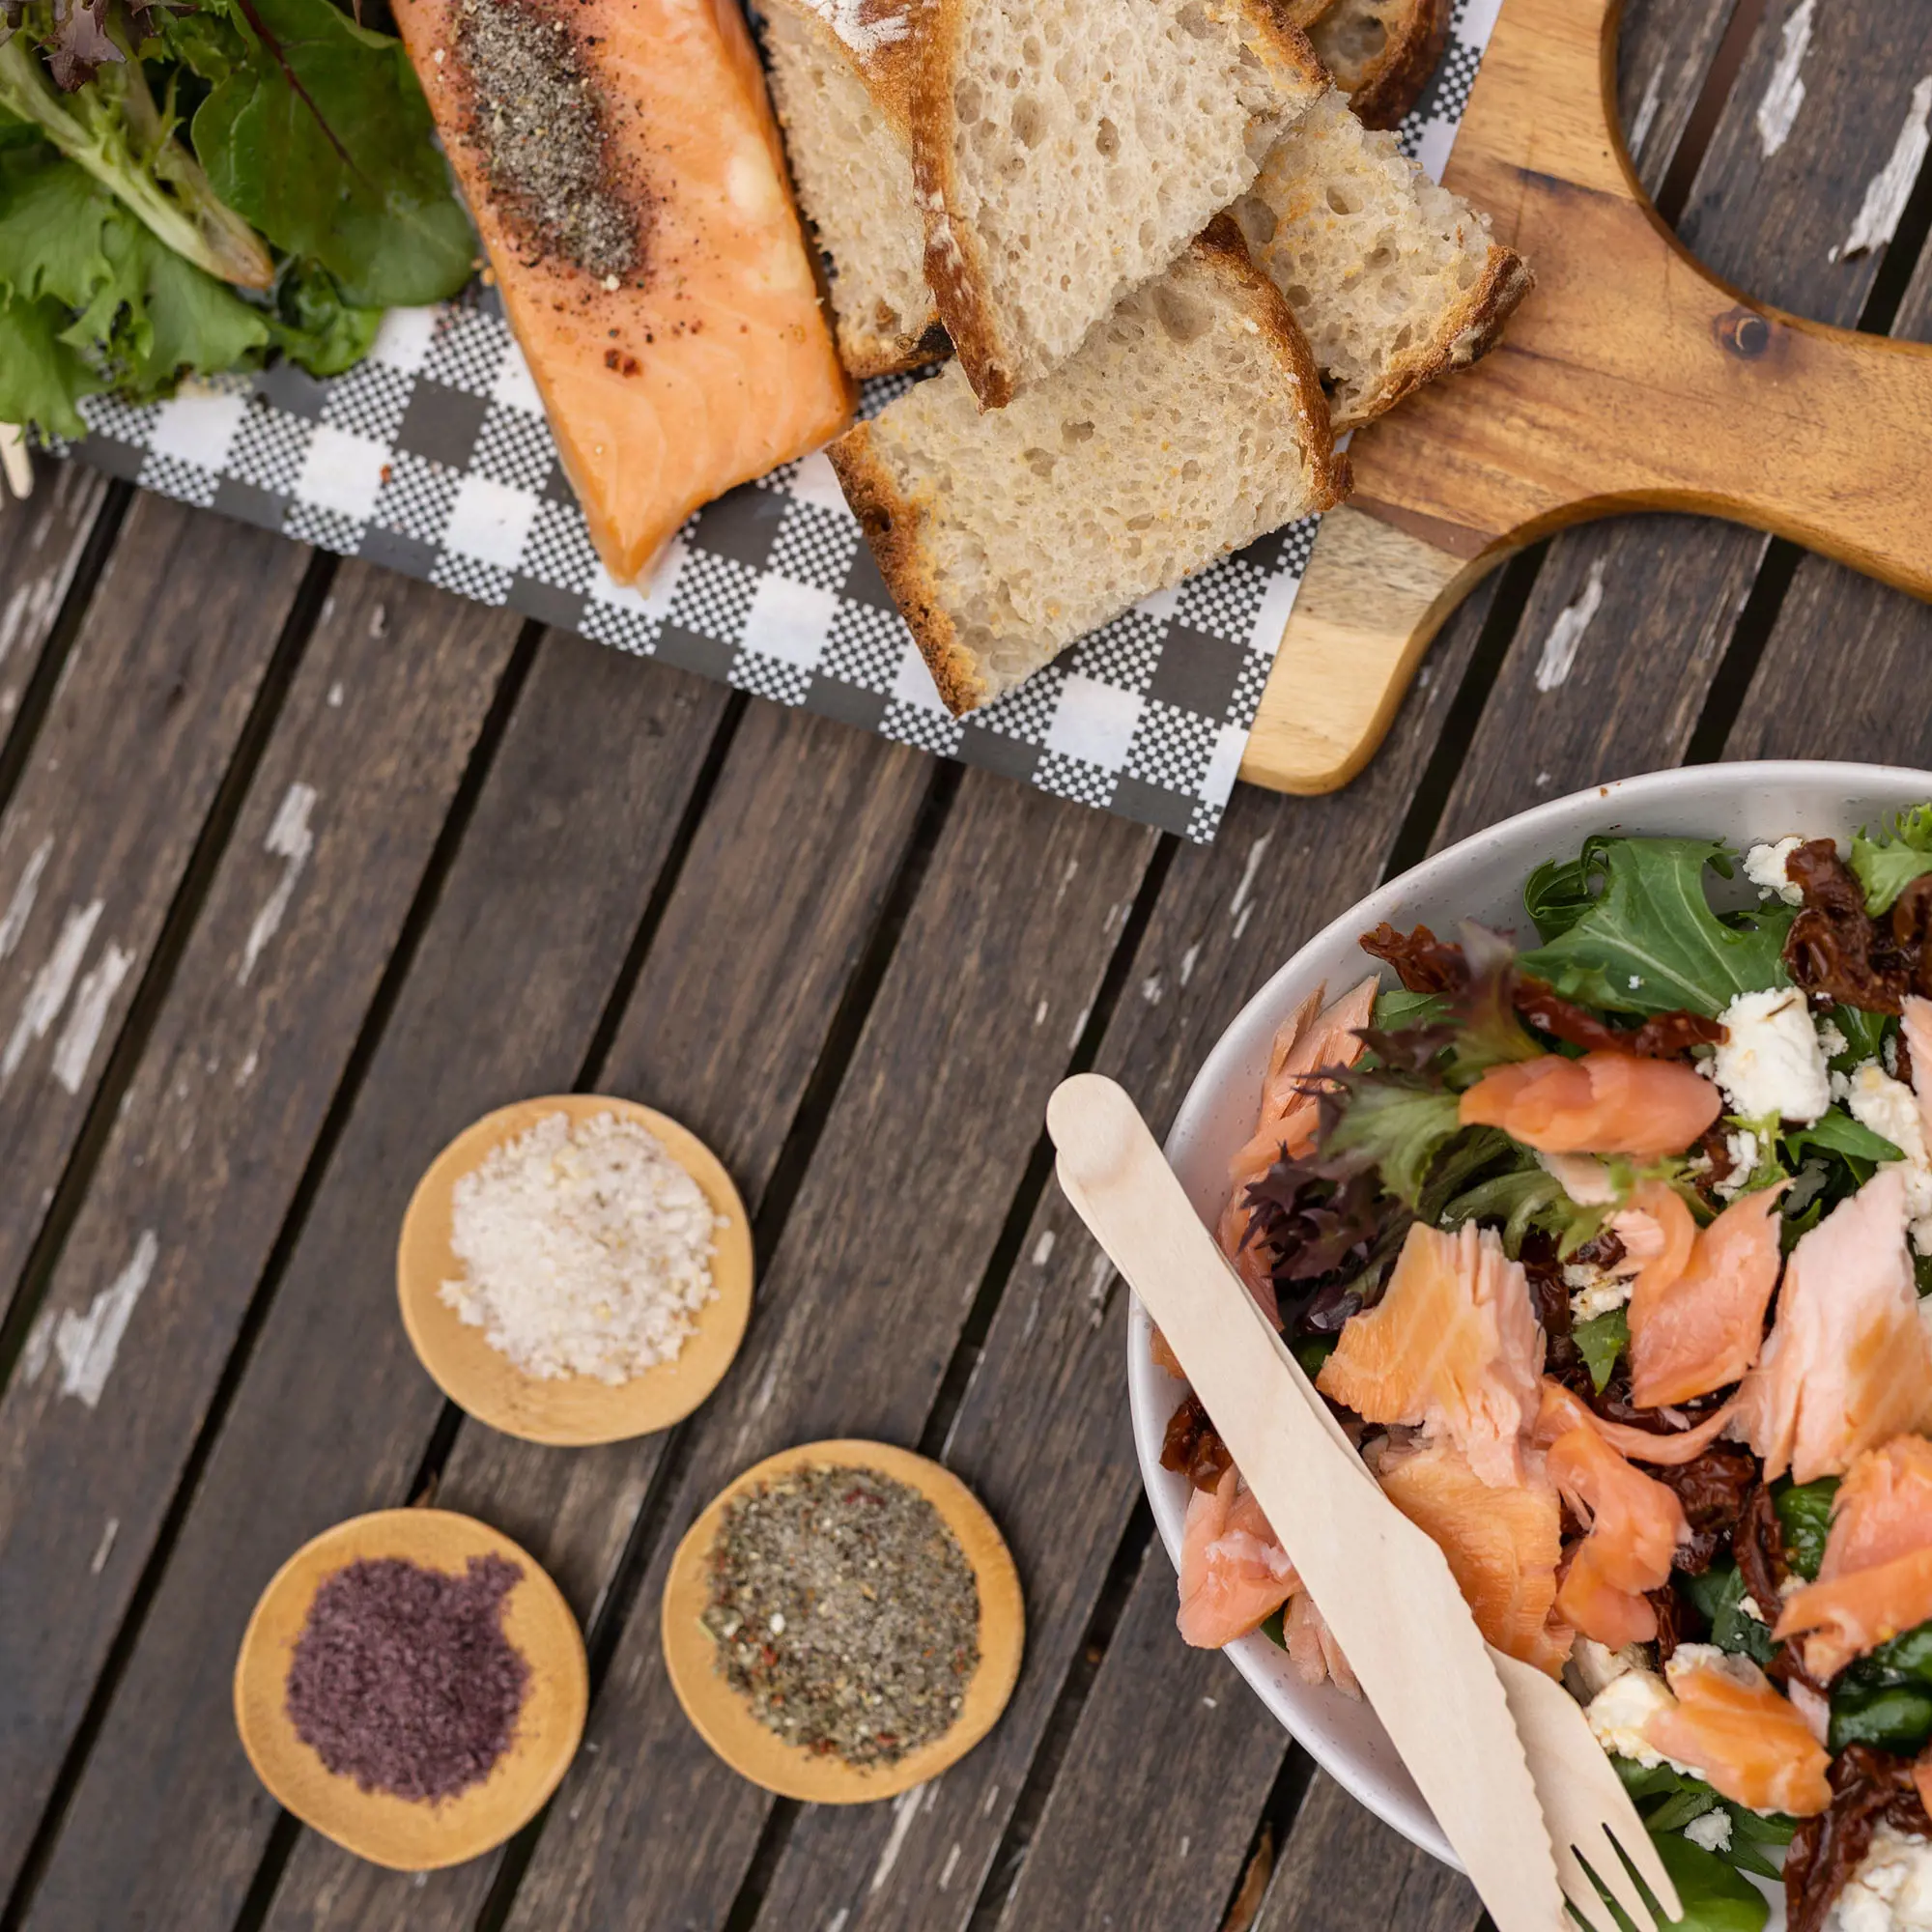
(433, 457)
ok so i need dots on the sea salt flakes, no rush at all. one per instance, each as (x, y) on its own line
(585, 1250)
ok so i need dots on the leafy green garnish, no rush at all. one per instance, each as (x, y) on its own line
(1715, 1896)
(1888, 862)
(1601, 1341)
(1865, 1037)
(1885, 1698)
(1395, 1127)
(1717, 1596)
(1525, 1197)
(1558, 893)
(1804, 1515)
(321, 139)
(1312, 1350)
(1835, 1131)
(1648, 941)
(1397, 1009)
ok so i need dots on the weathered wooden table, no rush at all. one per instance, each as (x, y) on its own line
(303, 865)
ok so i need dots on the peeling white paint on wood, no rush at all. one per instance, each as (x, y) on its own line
(105, 1545)
(335, 695)
(52, 984)
(1098, 1276)
(1566, 634)
(951, 1866)
(1784, 92)
(88, 1344)
(905, 1810)
(1188, 962)
(1890, 188)
(84, 1023)
(1043, 1249)
(20, 906)
(1152, 988)
(291, 841)
(1250, 869)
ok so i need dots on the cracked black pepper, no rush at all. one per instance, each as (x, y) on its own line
(844, 1611)
(542, 125)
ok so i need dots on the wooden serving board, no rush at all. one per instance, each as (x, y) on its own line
(1630, 378)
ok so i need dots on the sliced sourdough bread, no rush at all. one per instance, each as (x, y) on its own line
(1381, 52)
(1067, 151)
(838, 81)
(1393, 279)
(1189, 423)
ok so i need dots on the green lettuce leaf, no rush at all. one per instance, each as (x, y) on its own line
(1835, 1131)
(324, 141)
(42, 378)
(1717, 1596)
(1648, 941)
(1804, 1515)
(1889, 861)
(1601, 1341)
(314, 326)
(1885, 1698)
(1394, 1128)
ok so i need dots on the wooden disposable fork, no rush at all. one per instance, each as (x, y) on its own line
(1501, 1753)
(17, 466)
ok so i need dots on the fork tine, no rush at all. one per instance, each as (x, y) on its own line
(1613, 1876)
(1579, 1890)
(1639, 1849)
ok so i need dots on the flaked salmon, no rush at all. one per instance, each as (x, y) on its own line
(624, 169)
(1234, 1571)
(1696, 1312)
(1730, 1724)
(1849, 1363)
(1312, 1647)
(1454, 1345)
(1312, 1036)
(1917, 1026)
(1633, 1524)
(1502, 1545)
(1875, 1580)
(1602, 1103)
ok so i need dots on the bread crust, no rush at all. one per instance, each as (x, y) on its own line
(892, 520)
(955, 264)
(1388, 87)
(1469, 329)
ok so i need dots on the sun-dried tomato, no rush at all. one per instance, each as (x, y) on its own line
(1712, 1487)
(1661, 1037)
(1836, 950)
(1757, 1541)
(1868, 1788)
(1193, 1448)
(1671, 1621)
(1421, 962)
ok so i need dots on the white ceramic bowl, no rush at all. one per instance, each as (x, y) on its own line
(1481, 878)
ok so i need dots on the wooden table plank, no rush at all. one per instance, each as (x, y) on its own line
(1843, 673)
(1345, 1871)
(1628, 621)
(209, 1145)
(1193, 1781)
(1042, 1422)
(41, 542)
(897, 1217)
(759, 943)
(529, 936)
(94, 842)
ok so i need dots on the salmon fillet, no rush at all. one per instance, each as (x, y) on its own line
(691, 353)
(1234, 1572)
(1730, 1724)
(1602, 1103)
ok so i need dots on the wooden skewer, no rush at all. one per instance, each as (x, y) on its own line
(14, 462)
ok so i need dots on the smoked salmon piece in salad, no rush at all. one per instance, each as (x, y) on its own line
(1875, 1580)
(1602, 1103)
(1697, 1323)
(1233, 1574)
(1453, 1346)
(1606, 1240)
(1849, 1362)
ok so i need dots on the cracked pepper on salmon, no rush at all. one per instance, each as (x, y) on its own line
(624, 170)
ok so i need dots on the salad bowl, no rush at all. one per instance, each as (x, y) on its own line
(1481, 878)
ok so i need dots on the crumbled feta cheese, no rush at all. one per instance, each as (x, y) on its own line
(1596, 1294)
(1712, 1831)
(1744, 1149)
(1891, 1888)
(1592, 1665)
(1830, 1040)
(1771, 1066)
(1751, 1608)
(1620, 1711)
(1765, 867)
(1889, 1107)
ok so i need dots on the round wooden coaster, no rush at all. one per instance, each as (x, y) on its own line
(726, 1720)
(397, 1832)
(568, 1410)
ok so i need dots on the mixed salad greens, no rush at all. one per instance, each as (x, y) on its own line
(189, 187)
(1652, 953)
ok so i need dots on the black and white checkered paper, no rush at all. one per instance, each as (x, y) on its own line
(433, 457)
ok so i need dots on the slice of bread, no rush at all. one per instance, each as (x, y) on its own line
(1189, 423)
(1067, 151)
(1381, 52)
(839, 84)
(1393, 278)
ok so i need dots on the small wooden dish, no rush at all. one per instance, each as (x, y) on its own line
(397, 1832)
(724, 1720)
(569, 1412)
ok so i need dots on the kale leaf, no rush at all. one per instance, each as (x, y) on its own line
(1602, 1342)
(1888, 862)
(1648, 941)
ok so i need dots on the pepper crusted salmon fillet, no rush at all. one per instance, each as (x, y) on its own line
(624, 170)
